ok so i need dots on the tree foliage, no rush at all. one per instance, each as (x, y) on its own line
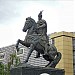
(5, 69)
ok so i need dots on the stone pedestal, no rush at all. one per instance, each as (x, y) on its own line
(32, 70)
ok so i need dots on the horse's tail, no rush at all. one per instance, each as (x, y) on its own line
(56, 60)
(58, 57)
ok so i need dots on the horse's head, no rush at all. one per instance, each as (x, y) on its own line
(28, 24)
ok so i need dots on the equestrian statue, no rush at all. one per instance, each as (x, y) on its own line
(38, 40)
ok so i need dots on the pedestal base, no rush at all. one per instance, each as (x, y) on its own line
(32, 70)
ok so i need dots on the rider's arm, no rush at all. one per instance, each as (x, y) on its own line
(42, 26)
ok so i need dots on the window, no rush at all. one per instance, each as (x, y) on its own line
(21, 51)
(51, 41)
(1, 55)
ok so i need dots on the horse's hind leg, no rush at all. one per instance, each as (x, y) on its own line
(56, 60)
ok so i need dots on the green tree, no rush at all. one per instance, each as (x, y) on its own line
(1, 68)
(5, 69)
(14, 60)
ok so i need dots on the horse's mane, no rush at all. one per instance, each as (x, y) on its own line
(32, 20)
(29, 18)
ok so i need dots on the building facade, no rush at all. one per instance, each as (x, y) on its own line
(64, 42)
(5, 53)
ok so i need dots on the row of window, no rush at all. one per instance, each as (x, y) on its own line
(21, 51)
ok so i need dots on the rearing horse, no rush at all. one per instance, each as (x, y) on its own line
(32, 40)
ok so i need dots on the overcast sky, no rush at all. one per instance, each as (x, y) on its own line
(59, 15)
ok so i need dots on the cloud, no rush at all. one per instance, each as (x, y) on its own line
(58, 14)
(10, 9)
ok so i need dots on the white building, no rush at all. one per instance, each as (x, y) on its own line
(22, 54)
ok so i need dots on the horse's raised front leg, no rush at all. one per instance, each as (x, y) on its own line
(29, 53)
(17, 44)
(21, 42)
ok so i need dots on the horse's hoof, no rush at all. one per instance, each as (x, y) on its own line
(25, 61)
(16, 46)
(17, 49)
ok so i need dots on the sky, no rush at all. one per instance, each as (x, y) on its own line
(59, 15)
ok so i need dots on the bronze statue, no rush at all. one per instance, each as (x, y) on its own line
(37, 39)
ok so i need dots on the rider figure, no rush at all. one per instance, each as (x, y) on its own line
(42, 31)
(41, 25)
